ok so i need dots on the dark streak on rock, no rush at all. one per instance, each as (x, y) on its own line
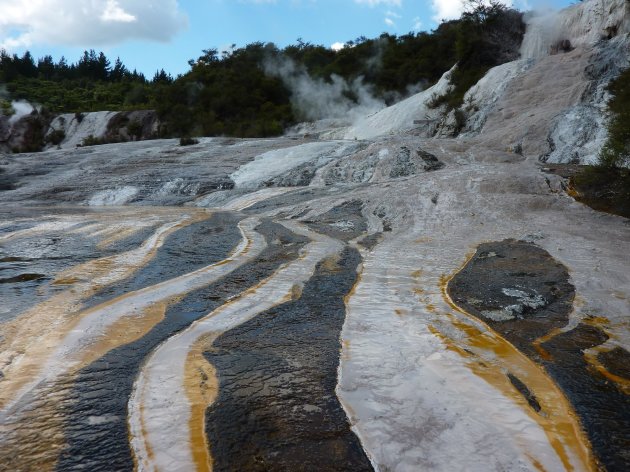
(523, 390)
(616, 361)
(188, 249)
(370, 241)
(603, 409)
(277, 409)
(343, 222)
(102, 389)
(515, 265)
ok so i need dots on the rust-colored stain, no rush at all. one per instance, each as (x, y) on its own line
(352, 291)
(202, 388)
(556, 418)
(38, 332)
(345, 349)
(331, 264)
(40, 437)
(66, 281)
(592, 357)
(537, 343)
(536, 464)
(126, 330)
(430, 307)
(400, 312)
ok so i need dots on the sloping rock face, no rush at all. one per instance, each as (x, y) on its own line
(104, 127)
(37, 131)
(398, 303)
(550, 103)
(24, 134)
(553, 106)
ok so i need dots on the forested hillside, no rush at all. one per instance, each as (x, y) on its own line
(230, 93)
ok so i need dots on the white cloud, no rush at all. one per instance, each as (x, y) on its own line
(373, 3)
(337, 46)
(113, 12)
(417, 23)
(87, 23)
(391, 17)
(452, 9)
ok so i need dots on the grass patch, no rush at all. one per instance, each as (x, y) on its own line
(603, 188)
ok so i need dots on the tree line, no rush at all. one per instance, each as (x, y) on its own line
(228, 92)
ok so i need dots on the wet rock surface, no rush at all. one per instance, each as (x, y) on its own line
(517, 288)
(188, 249)
(603, 408)
(523, 293)
(103, 388)
(47, 255)
(617, 362)
(344, 221)
(277, 408)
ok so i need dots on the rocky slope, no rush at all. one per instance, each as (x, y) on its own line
(405, 301)
(40, 131)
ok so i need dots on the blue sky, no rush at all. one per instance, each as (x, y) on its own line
(152, 34)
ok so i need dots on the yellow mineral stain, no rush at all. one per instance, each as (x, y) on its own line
(202, 387)
(598, 322)
(126, 330)
(537, 343)
(352, 291)
(418, 291)
(416, 274)
(296, 291)
(423, 240)
(331, 264)
(66, 281)
(27, 341)
(400, 312)
(592, 357)
(117, 236)
(39, 437)
(556, 418)
(620, 295)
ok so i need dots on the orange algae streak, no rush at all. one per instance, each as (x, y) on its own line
(556, 418)
(126, 330)
(537, 343)
(37, 333)
(202, 387)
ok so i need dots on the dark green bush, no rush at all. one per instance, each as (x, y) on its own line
(616, 151)
(187, 141)
(56, 137)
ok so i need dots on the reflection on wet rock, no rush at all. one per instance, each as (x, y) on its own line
(103, 388)
(276, 408)
(524, 294)
(517, 288)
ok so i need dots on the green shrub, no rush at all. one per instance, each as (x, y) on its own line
(134, 129)
(187, 141)
(616, 151)
(56, 137)
(606, 186)
(92, 140)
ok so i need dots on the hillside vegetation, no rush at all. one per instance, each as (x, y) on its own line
(229, 93)
(606, 186)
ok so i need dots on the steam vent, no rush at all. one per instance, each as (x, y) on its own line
(411, 288)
